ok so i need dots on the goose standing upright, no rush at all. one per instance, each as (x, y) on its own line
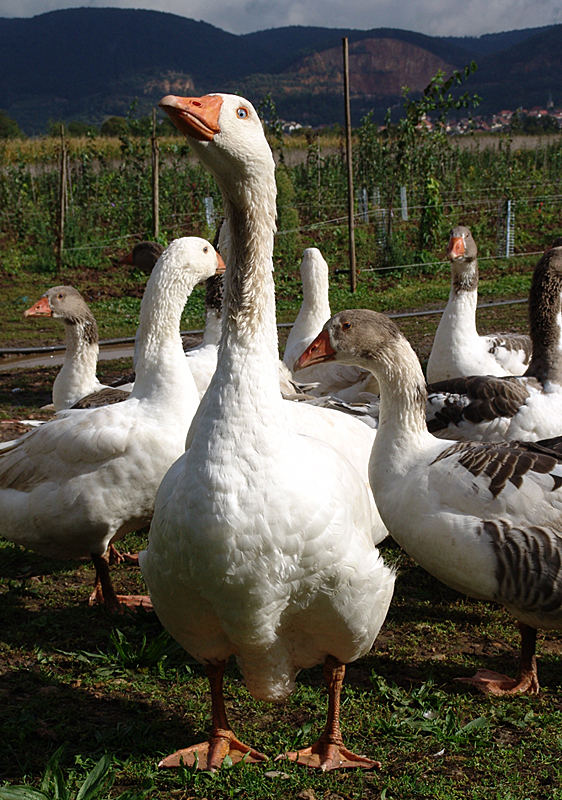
(339, 380)
(261, 543)
(77, 376)
(89, 476)
(484, 518)
(458, 349)
(529, 407)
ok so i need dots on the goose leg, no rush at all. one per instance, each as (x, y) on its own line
(527, 682)
(329, 751)
(104, 593)
(116, 557)
(209, 755)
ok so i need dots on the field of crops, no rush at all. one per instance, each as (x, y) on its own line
(405, 199)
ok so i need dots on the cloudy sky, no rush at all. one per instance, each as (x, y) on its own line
(433, 17)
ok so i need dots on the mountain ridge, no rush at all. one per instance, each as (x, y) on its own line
(88, 64)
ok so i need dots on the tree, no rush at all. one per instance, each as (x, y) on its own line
(114, 126)
(9, 128)
(414, 151)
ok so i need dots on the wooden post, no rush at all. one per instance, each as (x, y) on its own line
(348, 148)
(155, 180)
(62, 199)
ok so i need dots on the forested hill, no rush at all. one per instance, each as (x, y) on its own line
(88, 64)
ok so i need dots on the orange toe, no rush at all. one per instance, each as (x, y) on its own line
(495, 683)
(327, 757)
(210, 755)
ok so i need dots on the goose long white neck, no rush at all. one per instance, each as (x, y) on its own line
(463, 299)
(463, 296)
(248, 352)
(315, 306)
(77, 376)
(160, 361)
(456, 332)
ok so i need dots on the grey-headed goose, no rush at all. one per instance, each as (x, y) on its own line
(484, 518)
(487, 408)
(458, 349)
(77, 376)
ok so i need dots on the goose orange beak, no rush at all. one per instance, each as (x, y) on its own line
(39, 309)
(221, 266)
(456, 248)
(317, 351)
(196, 117)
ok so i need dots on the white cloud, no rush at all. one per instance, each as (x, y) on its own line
(433, 17)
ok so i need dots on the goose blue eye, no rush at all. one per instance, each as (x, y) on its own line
(242, 113)
(346, 326)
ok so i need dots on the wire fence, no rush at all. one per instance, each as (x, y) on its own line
(106, 207)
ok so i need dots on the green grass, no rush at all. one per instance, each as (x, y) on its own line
(120, 689)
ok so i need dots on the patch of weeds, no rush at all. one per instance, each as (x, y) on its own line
(425, 710)
(123, 655)
(55, 785)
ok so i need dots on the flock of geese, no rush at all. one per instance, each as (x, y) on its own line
(265, 513)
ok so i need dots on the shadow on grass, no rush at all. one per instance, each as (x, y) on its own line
(42, 713)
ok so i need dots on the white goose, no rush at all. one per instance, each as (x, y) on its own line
(338, 380)
(77, 376)
(483, 518)
(482, 407)
(86, 478)
(458, 349)
(261, 543)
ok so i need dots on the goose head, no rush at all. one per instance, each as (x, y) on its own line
(226, 133)
(187, 261)
(61, 302)
(462, 252)
(144, 256)
(462, 246)
(358, 336)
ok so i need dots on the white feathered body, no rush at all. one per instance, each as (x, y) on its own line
(538, 417)
(259, 573)
(458, 349)
(83, 481)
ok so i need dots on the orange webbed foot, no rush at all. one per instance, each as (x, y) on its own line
(121, 602)
(497, 684)
(327, 756)
(211, 754)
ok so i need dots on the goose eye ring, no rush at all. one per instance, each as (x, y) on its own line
(346, 326)
(241, 112)
(205, 249)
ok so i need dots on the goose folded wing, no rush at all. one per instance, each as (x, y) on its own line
(66, 445)
(475, 399)
(514, 342)
(501, 467)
